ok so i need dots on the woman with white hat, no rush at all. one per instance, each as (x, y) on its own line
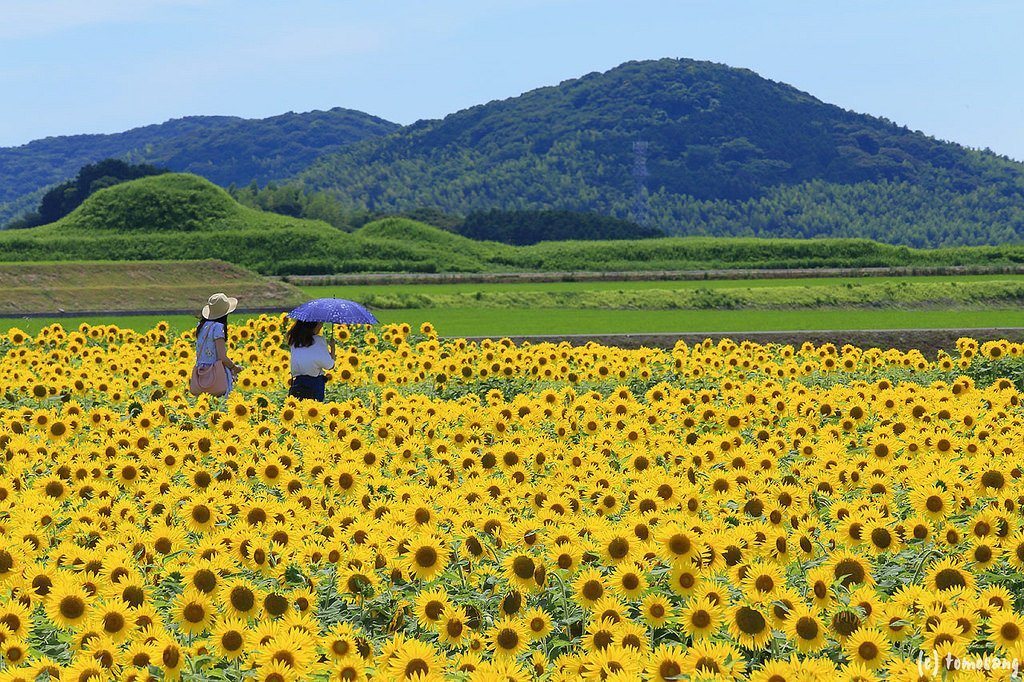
(211, 334)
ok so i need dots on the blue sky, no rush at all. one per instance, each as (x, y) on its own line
(949, 69)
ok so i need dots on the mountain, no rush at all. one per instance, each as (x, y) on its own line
(722, 151)
(223, 149)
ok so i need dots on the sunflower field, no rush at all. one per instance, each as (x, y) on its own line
(488, 511)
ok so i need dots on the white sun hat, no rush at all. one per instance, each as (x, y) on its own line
(218, 306)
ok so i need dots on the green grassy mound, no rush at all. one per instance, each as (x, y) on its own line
(175, 202)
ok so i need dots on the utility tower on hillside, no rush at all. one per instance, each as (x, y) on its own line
(640, 212)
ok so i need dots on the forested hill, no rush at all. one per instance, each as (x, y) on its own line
(727, 153)
(224, 149)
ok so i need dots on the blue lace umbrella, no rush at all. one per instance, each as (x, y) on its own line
(333, 310)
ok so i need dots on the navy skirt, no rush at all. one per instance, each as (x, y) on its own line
(305, 387)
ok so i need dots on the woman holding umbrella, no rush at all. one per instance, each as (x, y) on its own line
(310, 357)
(310, 353)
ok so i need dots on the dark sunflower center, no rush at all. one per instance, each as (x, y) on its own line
(679, 544)
(849, 571)
(523, 567)
(72, 607)
(618, 548)
(807, 628)
(949, 578)
(204, 580)
(750, 621)
(868, 651)
(508, 639)
(426, 557)
(242, 599)
(194, 613)
(231, 640)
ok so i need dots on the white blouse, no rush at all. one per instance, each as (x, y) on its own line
(311, 360)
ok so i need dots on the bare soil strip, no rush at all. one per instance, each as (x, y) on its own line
(55, 289)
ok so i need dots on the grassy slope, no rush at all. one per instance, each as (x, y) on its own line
(359, 291)
(41, 287)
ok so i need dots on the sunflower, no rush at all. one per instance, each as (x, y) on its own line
(616, 548)
(1007, 631)
(538, 623)
(805, 628)
(16, 617)
(701, 618)
(943, 632)
(200, 516)
(359, 582)
(230, 637)
(132, 591)
(656, 610)
(287, 648)
(983, 553)
(749, 626)
(684, 578)
(629, 580)
(15, 652)
(519, 571)
(508, 638)
(114, 620)
(349, 669)
(868, 647)
(240, 599)
(715, 660)
(415, 660)
(843, 622)
(169, 657)
(880, 538)
(945, 575)
(667, 663)
(193, 612)
(453, 630)
(933, 502)
(613, 663)
(204, 576)
(995, 598)
(276, 671)
(589, 587)
(68, 604)
(600, 634)
(762, 581)
(85, 670)
(849, 569)
(426, 557)
(676, 544)
(430, 606)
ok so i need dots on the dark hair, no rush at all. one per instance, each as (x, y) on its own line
(301, 334)
(202, 321)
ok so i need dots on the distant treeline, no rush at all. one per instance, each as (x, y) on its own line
(509, 227)
(91, 178)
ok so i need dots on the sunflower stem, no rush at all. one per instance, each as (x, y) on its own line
(924, 557)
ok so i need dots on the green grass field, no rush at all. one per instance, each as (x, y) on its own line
(452, 309)
(497, 323)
